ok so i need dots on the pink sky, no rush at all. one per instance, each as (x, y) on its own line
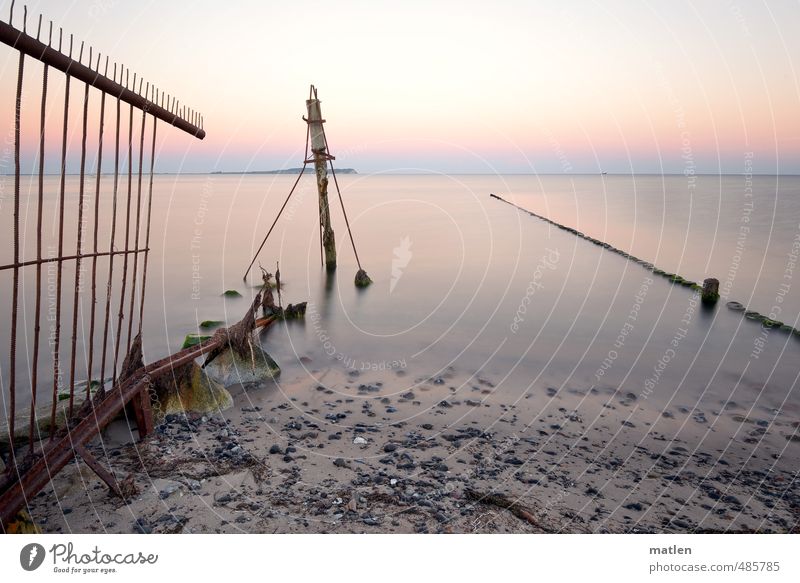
(458, 87)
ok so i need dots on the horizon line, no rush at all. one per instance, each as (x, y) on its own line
(428, 173)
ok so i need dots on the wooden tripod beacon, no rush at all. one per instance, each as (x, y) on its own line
(319, 149)
(320, 157)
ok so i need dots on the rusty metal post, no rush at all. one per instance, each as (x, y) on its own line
(320, 151)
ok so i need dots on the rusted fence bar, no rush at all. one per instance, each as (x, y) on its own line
(93, 305)
(15, 292)
(147, 233)
(111, 247)
(74, 423)
(136, 229)
(40, 204)
(79, 248)
(121, 311)
(32, 47)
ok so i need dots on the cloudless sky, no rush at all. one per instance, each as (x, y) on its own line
(505, 86)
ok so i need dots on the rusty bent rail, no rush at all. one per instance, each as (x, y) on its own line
(60, 452)
(30, 463)
(38, 50)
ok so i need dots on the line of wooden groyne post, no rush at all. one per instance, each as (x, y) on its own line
(709, 291)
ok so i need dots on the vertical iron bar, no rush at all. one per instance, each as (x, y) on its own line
(37, 317)
(136, 230)
(120, 315)
(15, 296)
(147, 232)
(79, 249)
(94, 259)
(111, 250)
(61, 196)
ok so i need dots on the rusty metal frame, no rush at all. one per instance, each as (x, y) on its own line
(30, 468)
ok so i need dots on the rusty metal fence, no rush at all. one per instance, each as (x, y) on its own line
(51, 413)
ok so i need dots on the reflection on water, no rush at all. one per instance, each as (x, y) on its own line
(464, 281)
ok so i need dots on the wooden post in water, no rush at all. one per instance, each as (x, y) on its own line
(710, 293)
(320, 150)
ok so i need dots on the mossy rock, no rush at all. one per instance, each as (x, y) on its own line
(362, 279)
(735, 306)
(231, 369)
(750, 315)
(194, 340)
(190, 389)
(696, 287)
(211, 324)
(676, 279)
(786, 328)
(231, 293)
(689, 283)
(769, 323)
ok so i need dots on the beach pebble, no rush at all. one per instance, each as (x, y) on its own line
(168, 491)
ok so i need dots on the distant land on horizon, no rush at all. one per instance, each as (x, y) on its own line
(283, 171)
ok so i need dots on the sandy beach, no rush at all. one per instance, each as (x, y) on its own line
(305, 458)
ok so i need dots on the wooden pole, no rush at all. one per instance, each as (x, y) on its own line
(320, 151)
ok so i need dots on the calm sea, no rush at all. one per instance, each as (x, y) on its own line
(463, 280)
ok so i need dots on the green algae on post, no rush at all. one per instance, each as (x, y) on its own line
(194, 340)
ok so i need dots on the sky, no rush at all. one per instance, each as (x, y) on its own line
(453, 87)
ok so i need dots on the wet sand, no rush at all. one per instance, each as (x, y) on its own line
(356, 454)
